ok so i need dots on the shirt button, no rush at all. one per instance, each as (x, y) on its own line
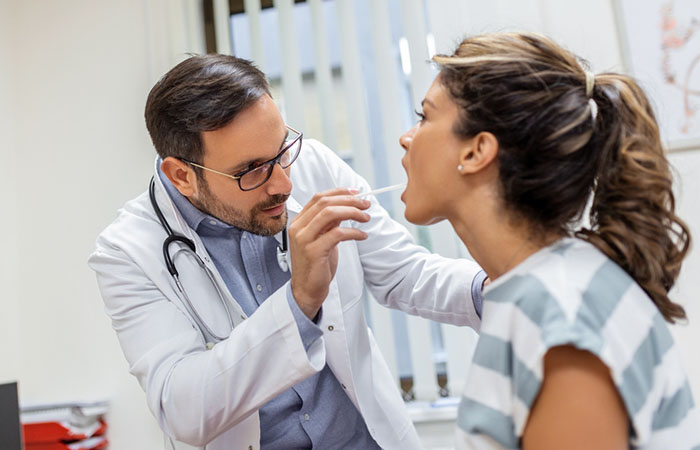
(244, 236)
(331, 327)
(343, 386)
(213, 222)
(259, 287)
(306, 417)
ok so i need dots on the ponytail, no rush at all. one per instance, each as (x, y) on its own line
(633, 219)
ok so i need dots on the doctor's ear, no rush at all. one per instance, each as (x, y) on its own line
(478, 153)
(181, 175)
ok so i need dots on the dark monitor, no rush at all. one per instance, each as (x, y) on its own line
(10, 429)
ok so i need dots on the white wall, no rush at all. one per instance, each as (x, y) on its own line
(9, 303)
(74, 76)
(687, 168)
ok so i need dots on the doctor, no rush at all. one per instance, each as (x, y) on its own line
(242, 335)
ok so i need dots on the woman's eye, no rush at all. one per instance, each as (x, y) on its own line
(420, 115)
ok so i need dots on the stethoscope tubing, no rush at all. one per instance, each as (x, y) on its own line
(189, 243)
(172, 237)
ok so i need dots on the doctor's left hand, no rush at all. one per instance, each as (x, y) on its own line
(314, 236)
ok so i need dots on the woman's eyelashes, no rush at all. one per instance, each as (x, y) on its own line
(420, 115)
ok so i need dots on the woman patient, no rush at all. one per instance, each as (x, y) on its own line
(514, 140)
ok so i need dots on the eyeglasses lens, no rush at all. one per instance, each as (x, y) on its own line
(257, 177)
(291, 154)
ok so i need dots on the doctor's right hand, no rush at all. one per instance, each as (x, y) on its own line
(314, 236)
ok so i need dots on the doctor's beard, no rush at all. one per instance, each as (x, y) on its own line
(253, 221)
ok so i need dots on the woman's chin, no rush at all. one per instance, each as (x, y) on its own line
(409, 217)
(419, 217)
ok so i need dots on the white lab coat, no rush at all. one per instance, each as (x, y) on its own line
(211, 397)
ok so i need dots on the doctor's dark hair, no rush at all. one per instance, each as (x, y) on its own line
(202, 93)
(555, 150)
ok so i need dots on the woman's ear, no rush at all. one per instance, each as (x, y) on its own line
(478, 153)
(180, 175)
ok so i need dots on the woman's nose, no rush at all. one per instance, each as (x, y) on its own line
(406, 138)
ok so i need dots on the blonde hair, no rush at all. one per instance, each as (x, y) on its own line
(561, 139)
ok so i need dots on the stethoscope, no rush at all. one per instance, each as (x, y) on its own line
(282, 252)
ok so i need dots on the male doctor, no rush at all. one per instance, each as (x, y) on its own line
(237, 344)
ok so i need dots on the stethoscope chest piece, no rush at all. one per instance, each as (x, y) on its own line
(283, 252)
(282, 259)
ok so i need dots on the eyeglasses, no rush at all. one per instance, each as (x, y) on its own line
(255, 177)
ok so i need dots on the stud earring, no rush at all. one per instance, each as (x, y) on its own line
(459, 168)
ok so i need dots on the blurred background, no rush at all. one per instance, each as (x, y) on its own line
(74, 76)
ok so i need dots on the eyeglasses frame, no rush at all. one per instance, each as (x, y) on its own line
(269, 162)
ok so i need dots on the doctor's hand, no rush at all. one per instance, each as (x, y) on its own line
(314, 236)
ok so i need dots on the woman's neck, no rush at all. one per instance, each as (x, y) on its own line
(496, 241)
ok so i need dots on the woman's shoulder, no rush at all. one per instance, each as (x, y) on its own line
(572, 294)
(570, 275)
(571, 291)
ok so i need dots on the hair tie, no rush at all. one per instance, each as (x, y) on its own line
(590, 82)
(594, 109)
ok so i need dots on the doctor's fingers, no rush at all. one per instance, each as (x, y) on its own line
(324, 220)
(334, 197)
(327, 242)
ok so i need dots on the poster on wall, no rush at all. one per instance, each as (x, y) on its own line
(661, 48)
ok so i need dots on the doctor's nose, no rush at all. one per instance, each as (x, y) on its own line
(406, 138)
(279, 182)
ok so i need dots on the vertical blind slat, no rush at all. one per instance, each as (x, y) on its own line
(354, 90)
(292, 87)
(194, 23)
(323, 74)
(424, 376)
(388, 79)
(257, 52)
(413, 22)
(222, 21)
